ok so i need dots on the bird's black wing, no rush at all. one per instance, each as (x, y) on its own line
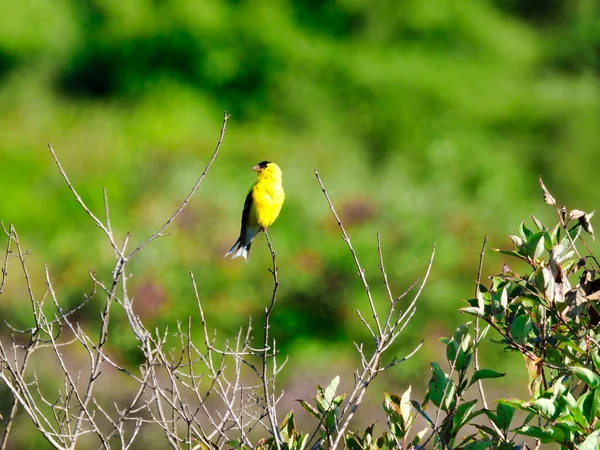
(246, 213)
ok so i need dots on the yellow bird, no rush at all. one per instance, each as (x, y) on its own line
(262, 206)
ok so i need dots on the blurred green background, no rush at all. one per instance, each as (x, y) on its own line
(429, 121)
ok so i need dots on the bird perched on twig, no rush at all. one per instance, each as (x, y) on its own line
(262, 206)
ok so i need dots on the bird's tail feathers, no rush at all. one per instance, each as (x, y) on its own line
(239, 250)
(242, 247)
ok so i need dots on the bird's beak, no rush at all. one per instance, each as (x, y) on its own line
(257, 168)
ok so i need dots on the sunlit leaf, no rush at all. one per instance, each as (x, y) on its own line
(545, 406)
(406, 407)
(330, 390)
(309, 409)
(472, 310)
(592, 442)
(586, 375)
(516, 240)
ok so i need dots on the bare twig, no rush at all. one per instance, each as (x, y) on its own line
(9, 233)
(194, 189)
(384, 336)
(269, 392)
(478, 333)
(97, 221)
(361, 271)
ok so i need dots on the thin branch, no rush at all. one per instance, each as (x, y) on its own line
(477, 334)
(187, 199)
(9, 233)
(361, 271)
(383, 339)
(97, 221)
(269, 403)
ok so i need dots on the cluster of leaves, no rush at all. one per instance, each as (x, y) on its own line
(327, 410)
(291, 438)
(446, 392)
(550, 314)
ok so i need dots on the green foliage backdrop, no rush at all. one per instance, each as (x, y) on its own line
(429, 121)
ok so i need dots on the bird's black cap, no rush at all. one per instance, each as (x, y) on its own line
(263, 164)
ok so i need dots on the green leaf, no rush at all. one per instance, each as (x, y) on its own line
(461, 414)
(504, 298)
(596, 360)
(310, 409)
(520, 328)
(329, 419)
(554, 434)
(546, 407)
(479, 445)
(473, 310)
(423, 413)
(573, 233)
(525, 232)
(485, 429)
(504, 414)
(482, 335)
(568, 423)
(302, 442)
(596, 403)
(510, 253)
(406, 408)
(591, 442)
(419, 436)
(337, 401)
(578, 416)
(320, 399)
(540, 226)
(516, 240)
(393, 410)
(451, 351)
(459, 348)
(482, 374)
(535, 432)
(437, 388)
(514, 403)
(550, 240)
(353, 442)
(287, 427)
(535, 245)
(586, 375)
(587, 405)
(330, 391)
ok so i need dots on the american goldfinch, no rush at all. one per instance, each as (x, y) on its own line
(262, 206)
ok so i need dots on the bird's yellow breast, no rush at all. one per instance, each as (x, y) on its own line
(267, 199)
